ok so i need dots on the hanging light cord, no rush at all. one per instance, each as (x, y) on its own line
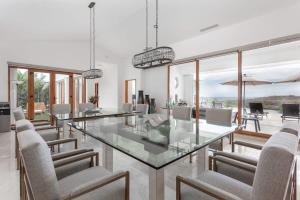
(90, 38)
(147, 37)
(94, 37)
(156, 25)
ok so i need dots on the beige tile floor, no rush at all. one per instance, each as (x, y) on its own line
(9, 186)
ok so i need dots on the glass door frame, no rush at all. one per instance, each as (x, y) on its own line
(52, 73)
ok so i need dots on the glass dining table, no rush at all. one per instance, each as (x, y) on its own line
(156, 140)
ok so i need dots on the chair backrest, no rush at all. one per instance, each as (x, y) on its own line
(127, 107)
(142, 108)
(23, 125)
(290, 110)
(256, 108)
(182, 112)
(39, 167)
(18, 114)
(219, 116)
(85, 107)
(274, 167)
(61, 109)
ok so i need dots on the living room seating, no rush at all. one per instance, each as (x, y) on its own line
(182, 112)
(42, 184)
(274, 177)
(290, 111)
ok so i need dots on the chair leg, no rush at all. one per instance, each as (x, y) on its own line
(191, 158)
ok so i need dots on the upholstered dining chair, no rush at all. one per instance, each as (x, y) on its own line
(274, 172)
(128, 107)
(182, 112)
(60, 109)
(65, 163)
(85, 107)
(218, 116)
(142, 109)
(240, 166)
(93, 183)
(19, 115)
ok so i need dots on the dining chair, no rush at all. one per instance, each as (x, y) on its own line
(65, 163)
(142, 109)
(85, 107)
(60, 109)
(93, 183)
(182, 112)
(290, 111)
(222, 117)
(19, 115)
(275, 176)
(127, 107)
(240, 166)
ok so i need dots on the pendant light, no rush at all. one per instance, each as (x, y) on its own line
(92, 73)
(159, 56)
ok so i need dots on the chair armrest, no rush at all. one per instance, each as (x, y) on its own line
(62, 141)
(95, 184)
(234, 163)
(76, 158)
(246, 144)
(203, 187)
(45, 128)
(67, 154)
(237, 157)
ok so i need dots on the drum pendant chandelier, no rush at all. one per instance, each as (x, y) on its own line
(153, 57)
(92, 73)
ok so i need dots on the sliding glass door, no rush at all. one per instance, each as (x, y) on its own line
(41, 95)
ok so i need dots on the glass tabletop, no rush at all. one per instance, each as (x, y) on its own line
(95, 113)
(156, 140)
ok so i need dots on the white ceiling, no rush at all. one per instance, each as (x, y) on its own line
(120, 24)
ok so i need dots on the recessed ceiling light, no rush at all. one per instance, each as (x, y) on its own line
(209, 28)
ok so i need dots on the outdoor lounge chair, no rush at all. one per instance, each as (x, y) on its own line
(290, 111)
(258, 110)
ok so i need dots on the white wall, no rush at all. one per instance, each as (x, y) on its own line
(72, 55)
(280, 23)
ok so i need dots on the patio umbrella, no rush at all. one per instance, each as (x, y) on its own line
(247, 80)
(291, 79)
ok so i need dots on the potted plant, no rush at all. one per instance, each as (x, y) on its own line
(94, 100)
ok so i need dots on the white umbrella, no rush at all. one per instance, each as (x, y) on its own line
(247, 80)
(291, 79)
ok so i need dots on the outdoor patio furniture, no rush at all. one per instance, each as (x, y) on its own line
(290, 111)
(274, 179)
(254, 118)
(39, 107)
(257, 109)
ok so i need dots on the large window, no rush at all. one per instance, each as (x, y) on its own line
(182, 85)
(218, 83)
(271, 87)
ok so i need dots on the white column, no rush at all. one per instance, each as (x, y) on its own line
(108, 157)
(202, 160)
(156, 184)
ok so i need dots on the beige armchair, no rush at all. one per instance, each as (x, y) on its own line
(66, 163)
(274, 176)
(93, 183)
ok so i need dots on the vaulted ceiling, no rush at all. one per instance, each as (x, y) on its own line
(120, 24)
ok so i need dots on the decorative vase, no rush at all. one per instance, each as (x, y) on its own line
(152, 106)
(147, 101)
(141, 97)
